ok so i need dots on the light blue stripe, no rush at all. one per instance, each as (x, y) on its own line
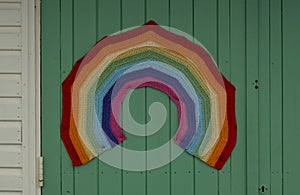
(108, 83)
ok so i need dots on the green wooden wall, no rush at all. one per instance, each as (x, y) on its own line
(256, 44)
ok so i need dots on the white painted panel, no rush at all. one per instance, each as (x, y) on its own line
(10, 108)
(10, 156)
(10, 1)
(10, 132)
(10, 193)
(10, 62)
(10, 85)
(10, 14)
(10, 38)
(10, 179)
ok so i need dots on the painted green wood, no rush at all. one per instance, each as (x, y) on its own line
(250, 40)
(50, 93)
(158, 180)
(108, 22)
(252, 53)
(264, 96)
(223, 60)
(182, 169)
(205, 30)
(66, 21)
(86, 176)
(108, 17)
(291, 95)
(238, 77)
(205, 24)
(133, 13)
(276, 97)
(134, 182)
(158, 10)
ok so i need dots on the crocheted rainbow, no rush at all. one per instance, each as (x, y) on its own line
(148, 56)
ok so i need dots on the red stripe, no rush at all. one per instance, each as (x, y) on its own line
(232, 127)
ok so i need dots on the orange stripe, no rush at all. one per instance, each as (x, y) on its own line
(76, 141)
(219, 147)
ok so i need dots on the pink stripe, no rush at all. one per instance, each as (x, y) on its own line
(155, 83)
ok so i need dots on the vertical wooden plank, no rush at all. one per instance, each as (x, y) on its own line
(84, 14)
(133, 13)
(134, 182)
(108, 17)
(108, 22)
(158, 10)
(276, 96)
(264, 96)
(205, 24)
(182, 169)
(252, 97)
(50, 94)
(291, 95)
(224, 66)
(158, 180)
(238, 78)
(86, 176)
(66, 52)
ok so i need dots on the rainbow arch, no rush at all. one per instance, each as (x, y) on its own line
(148, 56)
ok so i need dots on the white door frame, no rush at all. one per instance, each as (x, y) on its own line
(30, 96)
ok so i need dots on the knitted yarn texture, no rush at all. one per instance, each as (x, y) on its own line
(148, 56)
